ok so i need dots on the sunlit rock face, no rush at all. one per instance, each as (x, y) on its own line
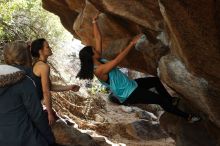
(184, 38)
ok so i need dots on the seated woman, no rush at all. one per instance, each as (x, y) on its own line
(23, 122)
(126, 90)
(41, 50)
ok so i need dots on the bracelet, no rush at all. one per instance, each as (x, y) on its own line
(94, 21)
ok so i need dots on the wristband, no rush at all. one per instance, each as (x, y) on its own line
(94, 21)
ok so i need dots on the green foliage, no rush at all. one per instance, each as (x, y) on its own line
(98, 88)
(27, 20)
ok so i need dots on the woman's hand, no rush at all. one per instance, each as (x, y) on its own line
(135, 39)
(74, 88)
(51, 118)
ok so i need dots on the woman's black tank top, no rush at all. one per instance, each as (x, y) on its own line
(38, 83)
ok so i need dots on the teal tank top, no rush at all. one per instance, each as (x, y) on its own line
(120, 84)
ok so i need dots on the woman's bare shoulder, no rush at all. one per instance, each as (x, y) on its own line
(41, 68)
(41, 64)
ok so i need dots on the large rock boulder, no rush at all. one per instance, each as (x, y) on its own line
(184, 38)
(116, 29)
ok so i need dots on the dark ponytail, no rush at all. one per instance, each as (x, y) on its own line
(85, 56)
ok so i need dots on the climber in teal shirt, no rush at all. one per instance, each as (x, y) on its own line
(119, 83)
(126, 90)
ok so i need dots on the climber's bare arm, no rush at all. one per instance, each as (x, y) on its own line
(98, 37)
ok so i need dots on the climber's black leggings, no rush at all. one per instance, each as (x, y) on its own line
(141, 95)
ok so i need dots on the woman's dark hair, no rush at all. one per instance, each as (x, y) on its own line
(36, 45)
(85, 56)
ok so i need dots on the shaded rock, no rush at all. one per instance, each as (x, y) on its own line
(186, 134)
(60, 8)
(194, 35)
(86, 140)
(69, 136)
(151, 19)
(145, 130)
(197, 91)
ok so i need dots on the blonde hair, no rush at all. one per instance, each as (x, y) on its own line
(17, 52)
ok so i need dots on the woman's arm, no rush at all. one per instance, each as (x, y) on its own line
(98, 38)
(45, 81)
(107, 67)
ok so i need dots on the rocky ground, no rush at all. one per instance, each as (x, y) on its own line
(106, 123)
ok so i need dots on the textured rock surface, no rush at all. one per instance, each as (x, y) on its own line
(185, 32)
(67, 135)
(187, 134)
(119, 125)
(146, 130)
(116, 29)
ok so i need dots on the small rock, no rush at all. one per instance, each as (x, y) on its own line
(146, 115)
(127, 109)
(146, 130)
(99, 118)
